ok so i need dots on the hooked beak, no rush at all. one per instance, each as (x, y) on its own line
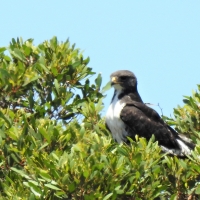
(114, 80)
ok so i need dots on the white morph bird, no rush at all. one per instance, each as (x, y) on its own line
(127, 115)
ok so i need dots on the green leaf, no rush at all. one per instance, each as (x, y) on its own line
(54, 71)
(75, 65)
(34, 182)
(4, 75)
(44, 145)
(6, 119)
(45, 134)
(72, 187)
(36, 190)
(7, 58)
(30, 99)
(122, 151)
(42, 64)
(27, 50)
(86, 173)
(98, 81)
(22, 173)
(54, 43)
(31, 197)
(197, 191)
(45, 175)
(107, 196)
(28, 78)
(2, 49)
(26, 184)
(52, 186)
(15, 158)
(106, 87)
(86, 61)
(18, 54)
(57, 86)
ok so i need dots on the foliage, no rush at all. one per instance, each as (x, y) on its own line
(54, 143)
(187, 118)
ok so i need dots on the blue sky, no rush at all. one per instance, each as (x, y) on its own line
(157, 40)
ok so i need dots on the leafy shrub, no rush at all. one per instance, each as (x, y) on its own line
(53, 139)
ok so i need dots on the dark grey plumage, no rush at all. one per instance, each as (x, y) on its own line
(128, 115)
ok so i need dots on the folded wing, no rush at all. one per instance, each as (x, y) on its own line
(144, 121)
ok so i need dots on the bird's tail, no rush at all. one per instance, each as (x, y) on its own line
(185, 147)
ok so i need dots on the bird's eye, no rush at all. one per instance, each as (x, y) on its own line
(123, 78)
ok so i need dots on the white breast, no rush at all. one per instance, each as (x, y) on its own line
(115, 124)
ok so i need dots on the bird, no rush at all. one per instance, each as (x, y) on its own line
(128, 116)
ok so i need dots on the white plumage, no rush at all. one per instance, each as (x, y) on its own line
(113, 120)
(184, 150)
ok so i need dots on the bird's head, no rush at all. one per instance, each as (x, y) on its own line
(123, 80)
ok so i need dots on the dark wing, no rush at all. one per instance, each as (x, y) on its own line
(144, 121)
